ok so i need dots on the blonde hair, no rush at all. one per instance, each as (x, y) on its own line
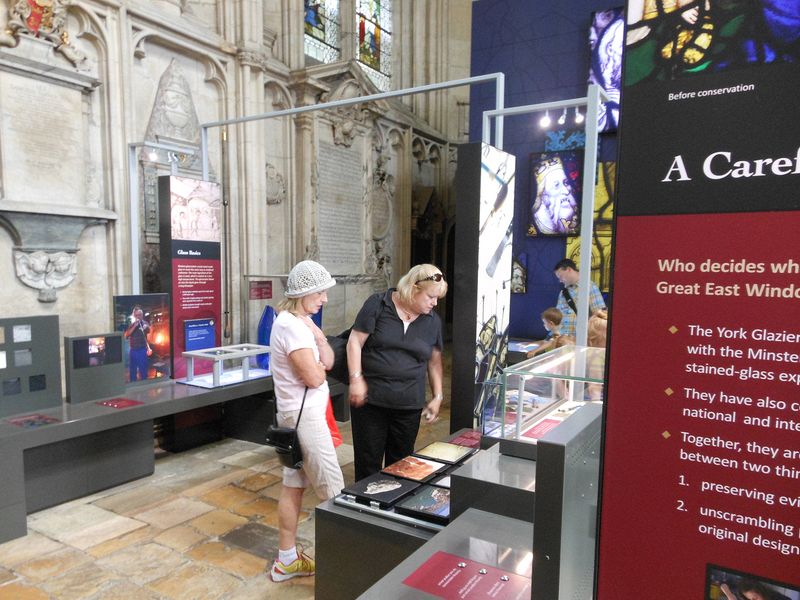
(597, 329)
(290, 304)
(417, 277)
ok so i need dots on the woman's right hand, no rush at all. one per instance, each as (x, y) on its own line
(358, 392)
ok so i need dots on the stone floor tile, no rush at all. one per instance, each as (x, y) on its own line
(78, 584)
(222, 449)
(261, 540)
(19, 591)
(135, 500)
(228, 475)
(272, 466)
(228, 497)
(70, 526)
(53, 564)
(232, 560)
(125, 590)
(194, 582)
(258, 482)
(344, 453)
(180, 538)
(26, 548)
(254, 538)
(217, 522)
(143, 534)
(174, 512)
(249, 458)
(263, 588)
(271, 520)
(186, 473)
(142, 564)
(261, 507)
(349, 473)
(6, 576)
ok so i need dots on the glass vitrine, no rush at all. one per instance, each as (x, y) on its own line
(532, 397)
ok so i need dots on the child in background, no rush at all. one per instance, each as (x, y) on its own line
(551, 319)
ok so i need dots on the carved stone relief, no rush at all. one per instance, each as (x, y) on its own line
(45, 271)
(174, 117)
(44, 19)
(380, 203)
(173, 120)
(276, 186)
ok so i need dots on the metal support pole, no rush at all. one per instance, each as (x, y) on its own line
(498, 78)
(587, 213)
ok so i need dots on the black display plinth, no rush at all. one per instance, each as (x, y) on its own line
(355, 549)
(490, 539)
(500, 484)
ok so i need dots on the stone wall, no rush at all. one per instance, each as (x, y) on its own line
(94, 76)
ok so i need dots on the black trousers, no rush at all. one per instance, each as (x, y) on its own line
(382, 434)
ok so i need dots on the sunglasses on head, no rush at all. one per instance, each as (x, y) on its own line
(437, 277)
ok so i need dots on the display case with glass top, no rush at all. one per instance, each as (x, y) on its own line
(532, 397)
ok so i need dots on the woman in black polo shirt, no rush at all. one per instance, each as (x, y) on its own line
(395, 342)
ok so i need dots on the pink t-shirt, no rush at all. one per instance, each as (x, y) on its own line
(289, 333)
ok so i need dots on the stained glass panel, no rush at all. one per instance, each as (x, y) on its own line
(374, 39)
(321, 23)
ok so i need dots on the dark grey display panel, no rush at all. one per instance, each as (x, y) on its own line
(481, 294)
(93, 366)
(565, 517)
(30, 365)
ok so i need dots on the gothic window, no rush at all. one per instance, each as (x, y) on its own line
(322, 38)
(374, 40)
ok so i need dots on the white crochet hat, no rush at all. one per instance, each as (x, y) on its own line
(308, 277)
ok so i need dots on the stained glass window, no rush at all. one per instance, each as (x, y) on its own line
(321, 21)
(667, 39)
(374, 40)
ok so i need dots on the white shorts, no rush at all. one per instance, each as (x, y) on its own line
(320, 466)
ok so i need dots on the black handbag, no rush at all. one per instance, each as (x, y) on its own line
(286, 441)
(338, 344)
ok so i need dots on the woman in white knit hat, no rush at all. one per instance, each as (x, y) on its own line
(299, 358)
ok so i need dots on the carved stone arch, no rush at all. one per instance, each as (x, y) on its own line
(419, 149)
(215, 74)
(396, 138)
(215, 68)
(138, 41)
(91, 26)
(434, 153)
(348, 88)
(281, 96)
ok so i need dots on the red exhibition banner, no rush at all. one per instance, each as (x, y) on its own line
(702, 464)
(700, 493)
(190, 265)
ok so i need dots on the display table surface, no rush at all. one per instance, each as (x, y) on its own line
(494, 482)
(91, 446)
(493, 540)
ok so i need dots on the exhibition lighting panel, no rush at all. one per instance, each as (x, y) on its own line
(532, 397)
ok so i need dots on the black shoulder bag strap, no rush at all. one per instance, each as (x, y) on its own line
(300, 414)
(570, 301)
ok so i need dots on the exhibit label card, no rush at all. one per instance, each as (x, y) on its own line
(451, 577)
(702, 429)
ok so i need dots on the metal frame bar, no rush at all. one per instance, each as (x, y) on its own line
(594, 96)
(498, 78)
(133, 199)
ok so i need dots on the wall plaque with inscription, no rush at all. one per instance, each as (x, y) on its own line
(341, 208)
